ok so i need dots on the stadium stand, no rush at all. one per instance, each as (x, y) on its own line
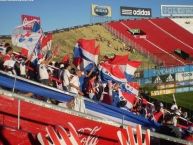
(159, 40)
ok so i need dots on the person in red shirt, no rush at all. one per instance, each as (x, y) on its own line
(158, 115)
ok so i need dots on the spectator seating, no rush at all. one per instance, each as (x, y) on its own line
(163, 36)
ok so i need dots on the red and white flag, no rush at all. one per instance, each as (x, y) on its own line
(89, 50)
(46, 42)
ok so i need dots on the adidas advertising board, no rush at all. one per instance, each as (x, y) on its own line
(163, 79)
(133, 11)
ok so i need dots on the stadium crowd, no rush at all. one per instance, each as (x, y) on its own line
(65, 76)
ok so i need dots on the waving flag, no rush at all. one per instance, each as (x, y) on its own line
(112, 72)
(88, 50)
(131, 67)
(46, 42)
(27, 39)
(125, 67)
(131, 99)
(131, 87)
(119, 60)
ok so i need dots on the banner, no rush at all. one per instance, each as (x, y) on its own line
(133, 11)
(186, 83)
(167, 70)
(184, 76)
(177, 10)
(162, 92)
(26, 19)
(163, 79)
(166, 86)
(104, 11)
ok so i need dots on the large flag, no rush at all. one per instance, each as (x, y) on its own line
(27, 39)
(112, 72)
(131, 87)
(88, 50)
(125, 67)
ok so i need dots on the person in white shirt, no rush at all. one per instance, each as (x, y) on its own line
(66, 77)
(43, 72)
(75, 83)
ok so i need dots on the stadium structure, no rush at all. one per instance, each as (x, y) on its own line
(164, 43)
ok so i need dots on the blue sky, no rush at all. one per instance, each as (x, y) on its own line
(56, 14)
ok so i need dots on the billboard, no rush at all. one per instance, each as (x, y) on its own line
(163, 92)
(163, 79)
(184, 76)
(148, 73)
(133, 11)
(26, 19)
(104, 11)
(177, 10)
(166, 86)
(186, 83)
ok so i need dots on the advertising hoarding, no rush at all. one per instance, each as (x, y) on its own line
(166, 86)
(148, 73)
(134, 11)
(184, 76)
(177, 10)
(104, 11)
(163, 92)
